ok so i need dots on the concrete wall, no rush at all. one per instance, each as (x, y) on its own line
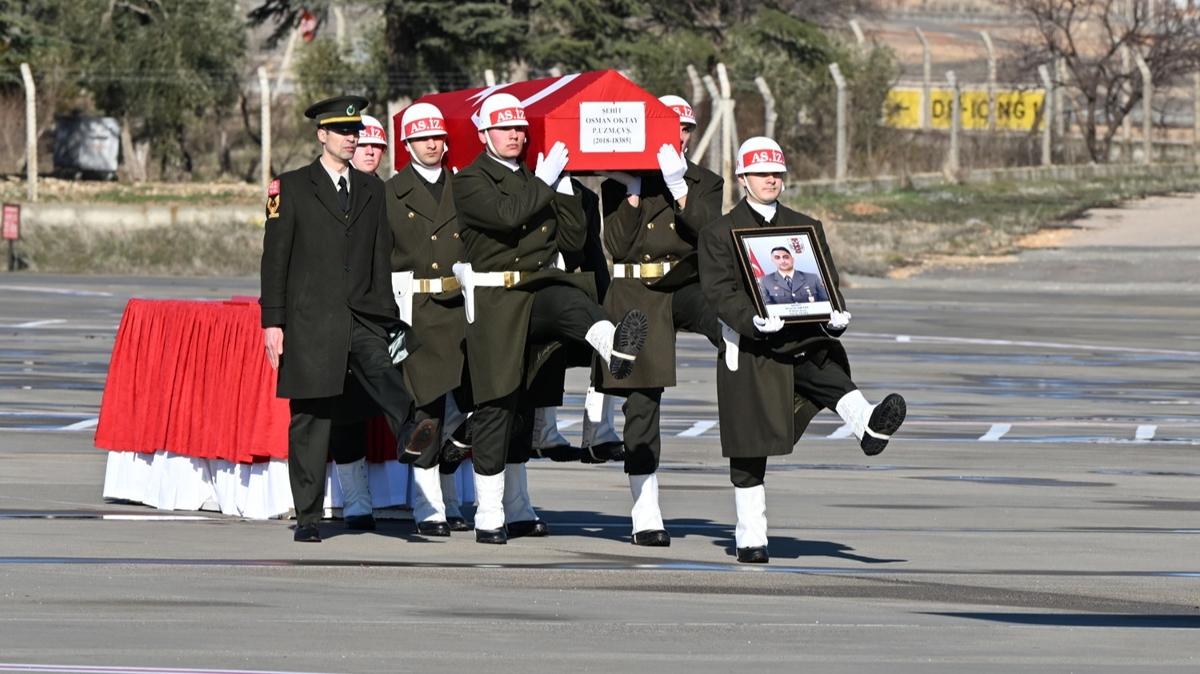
(131, 217)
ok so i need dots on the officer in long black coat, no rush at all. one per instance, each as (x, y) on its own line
(326, 288)
(773, 378)
(515, 222)
(651, 228)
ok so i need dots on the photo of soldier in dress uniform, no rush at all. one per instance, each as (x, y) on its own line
(787, 275)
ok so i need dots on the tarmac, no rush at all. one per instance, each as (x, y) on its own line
(1039, 511)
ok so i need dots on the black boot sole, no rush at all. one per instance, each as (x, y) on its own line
(753, 555)
(885, 420)
(629, 339)
(652, 538)
(419, 440)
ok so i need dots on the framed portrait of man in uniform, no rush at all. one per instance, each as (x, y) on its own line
(785, 273)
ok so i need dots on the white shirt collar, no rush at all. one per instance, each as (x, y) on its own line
(431, 175)
(508, 163)
(335, 176)
(765, 210)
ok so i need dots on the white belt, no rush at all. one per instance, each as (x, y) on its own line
(469, 279)
(644, 270)
(435, 285)
(732, 348)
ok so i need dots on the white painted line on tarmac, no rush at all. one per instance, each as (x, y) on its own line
(38, 324)
(564, 424)
(93, 669)
(843, 431)
(156, 518)
(936, 339)
(1145, 433)
(56, 291)
(996, 432)
(81, 425)
(697, 429)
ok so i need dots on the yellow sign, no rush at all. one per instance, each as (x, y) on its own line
(1015, 110)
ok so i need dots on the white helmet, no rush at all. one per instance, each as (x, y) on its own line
(681, 108)
(421, 120)
(760, 155)
(500, 111)
(372, 132)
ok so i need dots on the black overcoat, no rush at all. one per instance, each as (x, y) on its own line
(760, 413)
(320, 268)
(657, 230)
(512, 221)
(428, 243)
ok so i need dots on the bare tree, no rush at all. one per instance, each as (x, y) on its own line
(1090, 35)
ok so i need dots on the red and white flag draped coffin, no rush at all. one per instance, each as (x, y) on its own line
(607, 122)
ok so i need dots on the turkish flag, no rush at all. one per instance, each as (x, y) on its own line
(754, 265)
(308, 26)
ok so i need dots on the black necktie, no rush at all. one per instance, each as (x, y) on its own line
(343, 195)
(789, 282)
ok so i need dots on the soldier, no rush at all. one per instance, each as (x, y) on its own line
(325, 286)
(515, 222)
(420, 208)
(651, 229)
(775, 377)
(348, 440)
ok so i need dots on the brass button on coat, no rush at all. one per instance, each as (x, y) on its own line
(433, 238)
(434, 265)
(650, 226)
(411, 215)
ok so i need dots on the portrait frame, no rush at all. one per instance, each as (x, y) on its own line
(808, 256)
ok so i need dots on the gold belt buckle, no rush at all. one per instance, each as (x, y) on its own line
(422, 285)
(651, 270)
(511, 278)
(449, 284)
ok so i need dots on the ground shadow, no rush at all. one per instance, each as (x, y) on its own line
(786, 547)
(1159, 621)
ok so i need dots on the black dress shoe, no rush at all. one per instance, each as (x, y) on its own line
(652, 538)
(307, 533)
(360, 522)
(532, 528)
(885, 420)
(492, 536)
(421, 437)
(605, 451)
(458, 524)
(753, 555)
(559, 453)
(433, 528)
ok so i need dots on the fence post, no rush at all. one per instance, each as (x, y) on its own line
(489, 77)
(714, 121)
(859, 38)
(1196, 115)
(842, 166)
(1147, 109)
(697, 86)
(1060, 117)
(1047, 112)
(1127, 122)
(768, 106)
(991, 79)
(31, 150)
(926, 80)
(729, 140)
(952, 164)
(264, 93)
(339, 25)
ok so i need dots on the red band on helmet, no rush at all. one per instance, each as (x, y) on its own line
(507, 115)
(423, 125)
(683, 111)
(763, 157)
(372, 133)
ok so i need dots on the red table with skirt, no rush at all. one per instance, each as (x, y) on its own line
(191, 420)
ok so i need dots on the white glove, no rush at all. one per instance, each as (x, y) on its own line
(632, 183)
(673, 166)
(397, 348)
(564, 185)
(768, 325)
(550, 166)
(838, 320)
